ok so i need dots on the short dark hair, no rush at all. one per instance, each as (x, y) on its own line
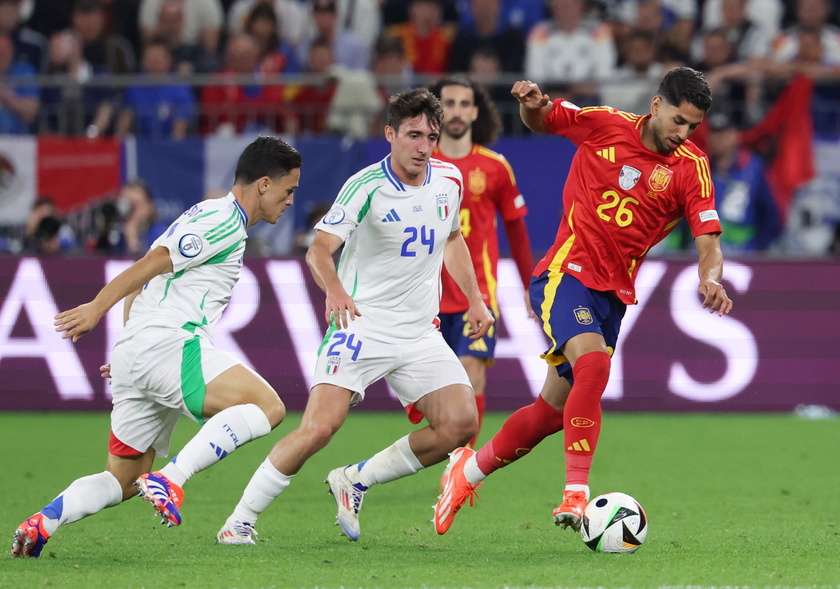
(266, 156)
(486, 127)
(413, 103)
(684, 84)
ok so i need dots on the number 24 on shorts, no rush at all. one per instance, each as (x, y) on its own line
(349, 341)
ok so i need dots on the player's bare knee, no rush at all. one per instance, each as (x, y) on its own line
(457, 431)
(318, 434)
(275, 411)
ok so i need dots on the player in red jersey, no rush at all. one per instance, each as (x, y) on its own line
(632, 178)
(470, 122)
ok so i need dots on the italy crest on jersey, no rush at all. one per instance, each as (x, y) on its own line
(660, 177)
(628, 176)
(443, 206)
(333, 362)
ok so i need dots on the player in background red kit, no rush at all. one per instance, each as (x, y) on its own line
(471, 122)
(633, 177)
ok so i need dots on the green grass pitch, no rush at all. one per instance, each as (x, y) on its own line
(733, 501)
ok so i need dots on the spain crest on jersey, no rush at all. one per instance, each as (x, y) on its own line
(477, 181)
(443, 206)
(660, 177)
(583, 316)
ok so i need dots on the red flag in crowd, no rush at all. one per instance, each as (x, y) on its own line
(786, 136)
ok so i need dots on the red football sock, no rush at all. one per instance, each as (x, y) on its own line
(582, 419)
(480, 404)
(523, 430)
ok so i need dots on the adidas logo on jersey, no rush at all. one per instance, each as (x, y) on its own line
(607, 153)
(391, 217)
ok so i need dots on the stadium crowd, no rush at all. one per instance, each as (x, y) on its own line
(170, 69)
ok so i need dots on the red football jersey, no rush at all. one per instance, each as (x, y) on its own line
(620, 198)
(490, 186)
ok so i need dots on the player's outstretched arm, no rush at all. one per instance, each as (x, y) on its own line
(456, 257)
(77, 322)
(340, 307)
(533, 104)
(710, 269)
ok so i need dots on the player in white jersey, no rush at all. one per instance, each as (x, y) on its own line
(398, 222)
(164, 364)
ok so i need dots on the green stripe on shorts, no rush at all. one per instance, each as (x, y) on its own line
(193, 388)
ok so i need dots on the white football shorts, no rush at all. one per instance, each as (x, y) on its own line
(354, 358)
(156, 376)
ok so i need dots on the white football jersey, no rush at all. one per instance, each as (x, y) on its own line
(394, 237)
(205, 245)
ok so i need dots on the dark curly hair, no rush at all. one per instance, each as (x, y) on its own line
(487, 126)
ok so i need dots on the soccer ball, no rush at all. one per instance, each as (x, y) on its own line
(613, 522)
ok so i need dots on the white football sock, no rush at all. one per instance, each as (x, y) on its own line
(584, 488)
(222, 434)
(84, 497)
(472, 473)
(394, 462)
(263, 488)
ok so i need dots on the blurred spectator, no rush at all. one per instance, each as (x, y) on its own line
(749, 40)
(811, 16)
(157, 108)
(396, 12)
(356, 104)
(46, 240)
(229, 106)
(635, 82)
(733, 87)
(140, 224)
(291, 18)
(187, 58)
(748, 211)
(50, 16)
(304, 235)
(486, 69)
(425, 38)
(107, 237)
(72, 106)
(19, 102)
(348, 49)
(570, 51)
(203, 21)
(124, 16)
(516, 14)
(390, 66)
(764, 14)
(672, 21)
(275, 55)
(834, 247)
(30, 46)
(105, 51)
(312, 102)
(487, 29)
(43, 207)
(45, 231)
(360, 19)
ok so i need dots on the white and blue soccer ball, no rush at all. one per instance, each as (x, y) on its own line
(614, 522)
